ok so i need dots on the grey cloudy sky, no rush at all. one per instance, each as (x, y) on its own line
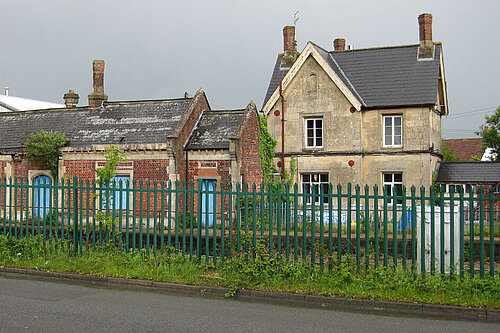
(159, 49)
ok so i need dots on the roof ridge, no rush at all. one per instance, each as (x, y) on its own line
(378, 48)
(225, 111)
(343, 74)
(149, 100)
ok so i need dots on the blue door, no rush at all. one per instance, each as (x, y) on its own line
(117, 196)
(120, 197)
(208, 187)
(42, 195)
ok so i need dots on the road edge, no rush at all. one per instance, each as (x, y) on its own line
(426, 311)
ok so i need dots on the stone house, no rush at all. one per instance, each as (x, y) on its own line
(158, 136)
(361, 116)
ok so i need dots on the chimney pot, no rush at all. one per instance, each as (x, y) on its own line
(289, 46)
(97, 97)
(71, 99)
(6, 91)
(425, 32)
(339, 44)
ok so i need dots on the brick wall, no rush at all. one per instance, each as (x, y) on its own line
(3, 165)
(210, 169)
(250, 158)
(201, 105)
(21, 168)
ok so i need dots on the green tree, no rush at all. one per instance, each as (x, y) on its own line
(44, 147)
(448, 154)
(490, 134)
(114, 156)
(266, 151)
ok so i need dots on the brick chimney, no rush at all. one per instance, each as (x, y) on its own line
(339, 44)
(97, 97)
(289, 46)
(71, 99)
(426, 47)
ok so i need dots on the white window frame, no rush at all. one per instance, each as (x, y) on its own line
(392, 135)
(314, 129)
(391, 184)
(315, 180)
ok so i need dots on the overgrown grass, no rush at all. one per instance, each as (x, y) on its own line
(262, 273)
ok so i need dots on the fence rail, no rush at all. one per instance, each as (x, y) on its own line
(417, 228)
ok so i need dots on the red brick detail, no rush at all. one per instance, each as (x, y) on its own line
(289, 39)
(3, 165)
(83, 169)
(195, 172)
(151, 170)
(250, 158)
(201, 105)
(22, 167)
(464, 149)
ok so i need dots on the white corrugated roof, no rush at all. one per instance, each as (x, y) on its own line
(488, 155)
(12, 103)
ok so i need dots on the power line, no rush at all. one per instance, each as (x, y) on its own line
(482, 110)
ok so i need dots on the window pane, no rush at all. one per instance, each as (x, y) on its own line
(388, 122)
(388, 189)
(398, 177)
(310, 123)
(310, 142)
(319, 142)
(324, 178)
(397, 140)
(388, 178)
(397, 121)
(388, 131)
(305, 178)
(319, 123)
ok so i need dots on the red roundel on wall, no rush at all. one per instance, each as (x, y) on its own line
(279, 162)
(277, 113)
(353, 109)
(351, 163)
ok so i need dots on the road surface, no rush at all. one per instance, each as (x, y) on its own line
(34, 306)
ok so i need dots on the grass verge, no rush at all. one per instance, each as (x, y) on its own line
(260, 273)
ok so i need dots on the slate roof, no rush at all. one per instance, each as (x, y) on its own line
(468, 172)
(135, 122)
(214, 129)
(464, 149)
(380, 77)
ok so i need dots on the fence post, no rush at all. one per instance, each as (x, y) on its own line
(492, 233)
(75, 214)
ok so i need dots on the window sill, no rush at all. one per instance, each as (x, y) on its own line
(309, 149)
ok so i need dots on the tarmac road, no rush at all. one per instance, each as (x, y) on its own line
(35, 306)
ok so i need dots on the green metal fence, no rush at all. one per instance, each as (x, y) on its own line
(415, 228)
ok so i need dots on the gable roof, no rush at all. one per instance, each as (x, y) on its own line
(216, 128)
(464, 149)
(468, 172)
(12, 103)
(378, 77)
(128, 122)
(335, 74)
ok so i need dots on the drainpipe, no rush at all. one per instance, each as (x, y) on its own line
(186, 168)
(282, 132)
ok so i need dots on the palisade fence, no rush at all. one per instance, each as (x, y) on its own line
(414, 228)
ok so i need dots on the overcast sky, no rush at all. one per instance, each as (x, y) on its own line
(159, 49)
